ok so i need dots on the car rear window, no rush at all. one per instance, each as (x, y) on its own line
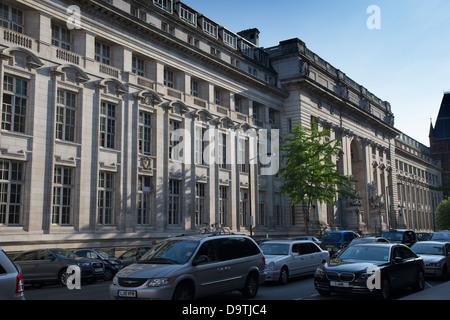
(331, 237)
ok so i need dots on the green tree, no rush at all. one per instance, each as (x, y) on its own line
(443, 215)
(308, 173)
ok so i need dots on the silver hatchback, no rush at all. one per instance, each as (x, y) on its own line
(11, 281)
(188, 267)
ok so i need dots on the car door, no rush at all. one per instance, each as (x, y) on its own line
(404, 267)
(306, 258)
(315, 256)
(295, 260)
(210, 274)
(447, 258)
(27, 263)
(47, 267)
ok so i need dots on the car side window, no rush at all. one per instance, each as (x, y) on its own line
(313, 248)
(208, 249)
(295, 248)
(403, 253)
(304, 248)
(29, 256)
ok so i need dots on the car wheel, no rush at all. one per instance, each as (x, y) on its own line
(385, 291)
(184, 291)
(420, 283)
(108, 274)
(63, 276)
(251, 286)
(284, 275)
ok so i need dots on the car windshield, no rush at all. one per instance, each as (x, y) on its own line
(365, 253)
(275, 248)
(441, 236)
(62, 254)
(332, 237)
(428, 248)
(171, 252)
(393, 236)
(104, 254)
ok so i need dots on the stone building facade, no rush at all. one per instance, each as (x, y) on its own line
(125, 121)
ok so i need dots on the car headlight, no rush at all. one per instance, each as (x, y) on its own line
(158, 282)
(431, 264)
(271, 265)
(114, 282)
(320, 273)
(83, 264)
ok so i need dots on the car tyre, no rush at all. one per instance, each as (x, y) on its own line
(284, 275)
(63, 276)
(420, 283)
(251, 286)
(108, 274)
(184, 291)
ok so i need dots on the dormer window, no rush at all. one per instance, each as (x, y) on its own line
(166, 5)
(188, 16)
(210, 28)
(229, 39)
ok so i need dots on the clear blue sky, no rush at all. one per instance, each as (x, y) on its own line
(406, 62)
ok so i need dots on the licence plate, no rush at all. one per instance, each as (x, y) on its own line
(127, 293)
(339, 284)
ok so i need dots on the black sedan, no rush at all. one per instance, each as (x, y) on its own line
(371, 268)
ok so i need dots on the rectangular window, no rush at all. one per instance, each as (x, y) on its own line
(174, 202)
(174, 140)
(168, 78)
(243, 208)
(11, 188)
(210, 28)
(242, 155)
(102, 53)
(229, 39)
(15, 98)
(105, 198)
(199, 145)
(223, 205)
(63, 187)
(194, 88)
(223, 150)
(11, 18)
(199, 203)
(217, 97)
(107, 125)
(144, 201)
(188, 16)
(138, 66)
(262, 208)
(61, 37)
(277, 208)
(65, 115)
(164, 4)
(237, 104)
(145, 133)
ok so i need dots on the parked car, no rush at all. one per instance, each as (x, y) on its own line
(133, 255)
(333, 241)
(50, 265)
(310, 238)
(188, 267)
(11, 281)
(424, 236)
(365, 240)
(443, 235)
(436, 256)
(406, 236)
(112, 264)
(395, 266)
(290, 258)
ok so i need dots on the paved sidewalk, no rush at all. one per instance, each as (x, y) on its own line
(439, 292)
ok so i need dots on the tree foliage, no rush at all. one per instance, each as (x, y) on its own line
(308, 172)
(443, 215)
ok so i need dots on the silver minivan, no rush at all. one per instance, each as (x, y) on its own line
(189, 267)
(11, 281)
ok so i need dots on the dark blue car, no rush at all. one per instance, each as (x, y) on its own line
(333, 241)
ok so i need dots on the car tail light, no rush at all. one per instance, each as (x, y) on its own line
(19, 284)
(264, 260)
